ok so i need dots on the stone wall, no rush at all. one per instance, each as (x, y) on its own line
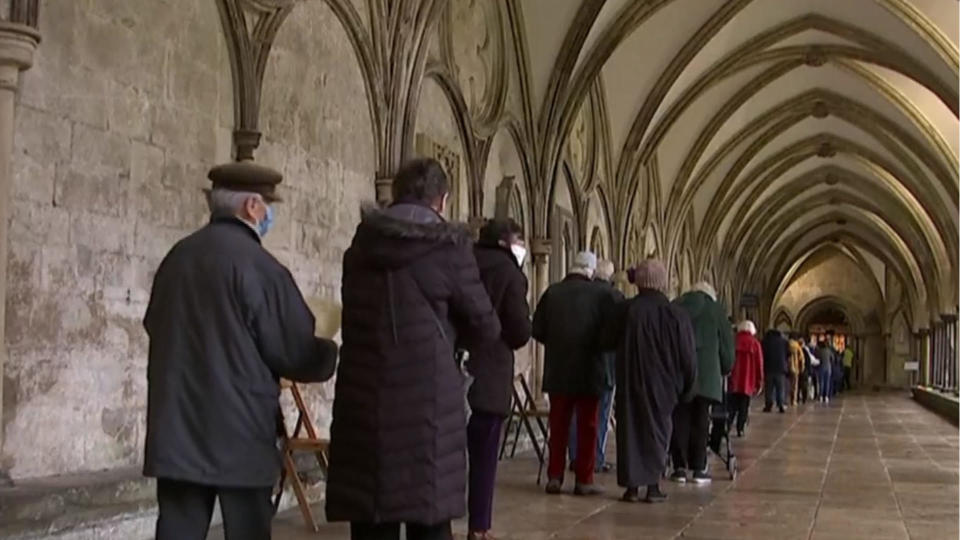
(127, 106)
(836, 275)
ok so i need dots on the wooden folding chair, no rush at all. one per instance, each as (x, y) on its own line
(296, 443)
(525, 408)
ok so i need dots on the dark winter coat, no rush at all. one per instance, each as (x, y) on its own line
(491, 364)
(568, 322)
(826, 355)
(609, 358)
(225, 320)
(656, 369)
(776, 353)
(714, 337)
(411, 290)
(747, 375)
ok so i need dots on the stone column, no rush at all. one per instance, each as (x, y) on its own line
(540, 249)
(18, 42)
(950, 341)
(923, 355)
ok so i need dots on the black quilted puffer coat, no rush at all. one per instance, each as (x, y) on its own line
(411, 290)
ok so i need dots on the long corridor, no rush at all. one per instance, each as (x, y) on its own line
(872, 466)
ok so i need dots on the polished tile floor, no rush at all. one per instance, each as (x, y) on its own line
(872, 466)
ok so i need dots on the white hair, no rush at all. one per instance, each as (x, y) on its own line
(706, 289)
(227, 201)
(747, 326)
(605, 270)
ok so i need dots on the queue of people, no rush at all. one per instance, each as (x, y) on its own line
(226, 322)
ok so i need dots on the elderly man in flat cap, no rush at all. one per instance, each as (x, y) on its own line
(656, 370)
(225, 321)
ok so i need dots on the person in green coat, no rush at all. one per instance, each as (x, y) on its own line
(715, 356)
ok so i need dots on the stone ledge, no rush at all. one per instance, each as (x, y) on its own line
(96, 506)
(946, 405)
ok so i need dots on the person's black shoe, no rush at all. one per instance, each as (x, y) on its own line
(782, 410)
(679, 476)
(631, 495)
(572, 467)
(740, 433)
(605, 468)
(587, 490)
(702, 478)
(654, 495)
(766, 409)
(554, 486)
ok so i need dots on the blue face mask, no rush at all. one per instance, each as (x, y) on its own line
(266, 223)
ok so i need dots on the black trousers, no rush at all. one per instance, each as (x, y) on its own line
(186, 508)
(774, 391)
(691, 425)
(391, 531)
(739, 410)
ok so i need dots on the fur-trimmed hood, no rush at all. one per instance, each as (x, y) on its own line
(393, 237)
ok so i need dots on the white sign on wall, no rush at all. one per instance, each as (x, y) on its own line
(911, 366)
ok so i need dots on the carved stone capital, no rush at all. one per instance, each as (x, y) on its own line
(245, 141)
(540, 247)
(18, 43)
(949, 317)
(384, 190)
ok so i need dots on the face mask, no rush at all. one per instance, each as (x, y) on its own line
(266, 223)
(519, 253)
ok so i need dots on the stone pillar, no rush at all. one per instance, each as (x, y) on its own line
(923, 356)
(540, 249)
(18, 42)
(950, 342)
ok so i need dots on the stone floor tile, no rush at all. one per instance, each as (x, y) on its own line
(871, 466)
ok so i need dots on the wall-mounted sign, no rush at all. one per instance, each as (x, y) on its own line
(748, 300)
(911, 366)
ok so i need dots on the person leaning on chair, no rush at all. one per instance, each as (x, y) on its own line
(225, 321)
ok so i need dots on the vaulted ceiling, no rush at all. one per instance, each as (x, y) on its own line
(752, 133)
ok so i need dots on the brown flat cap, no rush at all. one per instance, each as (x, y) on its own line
(247, 176)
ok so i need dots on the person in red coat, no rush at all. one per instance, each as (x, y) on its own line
(746, 379)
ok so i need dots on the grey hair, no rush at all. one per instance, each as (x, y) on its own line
(605, 270)
(226, 201)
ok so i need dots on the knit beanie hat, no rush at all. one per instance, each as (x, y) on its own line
(651, 274)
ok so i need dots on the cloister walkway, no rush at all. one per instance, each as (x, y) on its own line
(872, 466)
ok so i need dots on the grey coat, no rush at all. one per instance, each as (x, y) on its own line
(225, 320)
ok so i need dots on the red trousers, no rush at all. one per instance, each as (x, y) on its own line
(561, 412)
